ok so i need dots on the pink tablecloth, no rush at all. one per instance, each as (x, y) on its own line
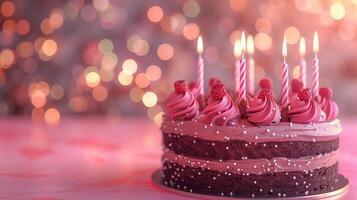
(100, 158)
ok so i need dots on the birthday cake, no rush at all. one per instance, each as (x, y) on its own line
(220, 147)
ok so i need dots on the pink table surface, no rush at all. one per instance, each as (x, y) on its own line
(101, 158)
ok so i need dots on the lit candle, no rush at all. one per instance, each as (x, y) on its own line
(237, 54)
(315, 67)
(251, 65)
(302, 51)
(200, 66)
(285, 77)
(242, 71)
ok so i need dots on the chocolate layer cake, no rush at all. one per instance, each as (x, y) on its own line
(222, 150)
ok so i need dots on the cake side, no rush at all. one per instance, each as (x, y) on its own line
(259, 150)
(275, 166)
(288, 140)
(274, 184)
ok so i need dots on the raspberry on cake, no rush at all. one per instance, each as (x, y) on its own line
(217, 151)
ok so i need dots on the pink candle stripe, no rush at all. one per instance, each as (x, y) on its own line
(285, 86)
(303, 72)
(236, 76)
(200, 75)
(315, 77)
(243, 80)
(250, 76)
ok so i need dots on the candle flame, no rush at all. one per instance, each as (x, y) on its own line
(243, 42)
(199, 45)
(302, 46)
(285, 48)
(316, 43)
(237, 49)
(250, 45)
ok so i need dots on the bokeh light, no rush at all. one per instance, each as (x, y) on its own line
(129, 66)
(49, 47)
(263, 41)
(23, 27)
(78, 104)
(38, 98)
(165, 51)
(7, 8)
(237, 5)
(149, 99)
(56, 19)
(292, 35)
(52, 116)
(101, 5)
(153, 72)
(7, 58)
(56, 92)
(92, 79)
(337, 11)
(155, 14)
(191, 8)
(100, 93)
(142, 80)
(191, 31)
(125, 78)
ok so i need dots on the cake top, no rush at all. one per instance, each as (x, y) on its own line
(222, 107)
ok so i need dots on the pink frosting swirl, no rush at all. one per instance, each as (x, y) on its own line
(182, 105)
(327, 104)
(220, 110)
(263, 110)
(305, 109)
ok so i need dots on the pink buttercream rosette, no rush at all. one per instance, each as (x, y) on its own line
(182, 104)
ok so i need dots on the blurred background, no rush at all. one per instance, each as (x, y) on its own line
(120, 58)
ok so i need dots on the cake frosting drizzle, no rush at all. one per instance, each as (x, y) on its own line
(182, 104)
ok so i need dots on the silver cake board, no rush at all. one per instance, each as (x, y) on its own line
(340, 189)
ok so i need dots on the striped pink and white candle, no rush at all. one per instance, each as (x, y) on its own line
(200, 66)
(302, 51)
(243, 79)
(285, 78)
(315, 67)
(243, 71)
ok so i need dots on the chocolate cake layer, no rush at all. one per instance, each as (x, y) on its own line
(280, 184)
(237, 149)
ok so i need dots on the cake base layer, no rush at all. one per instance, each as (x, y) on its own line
(238, 149)
(280, 184)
